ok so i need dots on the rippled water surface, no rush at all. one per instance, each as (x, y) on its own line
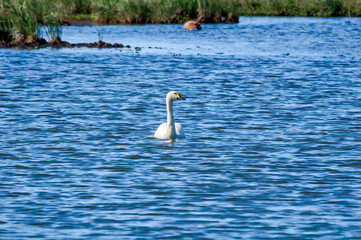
(272, 122)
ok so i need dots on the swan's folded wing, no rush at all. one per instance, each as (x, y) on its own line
(179, 130)
(162, 129)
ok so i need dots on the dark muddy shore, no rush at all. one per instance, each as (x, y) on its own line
(57, 43)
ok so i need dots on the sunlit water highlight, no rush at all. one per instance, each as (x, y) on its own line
(272, 120)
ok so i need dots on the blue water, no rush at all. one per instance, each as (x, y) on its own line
(272, 123)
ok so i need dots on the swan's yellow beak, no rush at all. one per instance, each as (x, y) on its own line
(180, 97)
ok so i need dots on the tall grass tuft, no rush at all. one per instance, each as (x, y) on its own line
(21, 20)
(53, 29)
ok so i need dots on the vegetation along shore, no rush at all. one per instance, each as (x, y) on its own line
(20, 20)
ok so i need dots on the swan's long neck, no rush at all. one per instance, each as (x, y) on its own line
(170, 117)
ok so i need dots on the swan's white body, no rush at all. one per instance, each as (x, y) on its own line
(170, 129)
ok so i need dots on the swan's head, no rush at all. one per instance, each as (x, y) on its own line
(173, 96)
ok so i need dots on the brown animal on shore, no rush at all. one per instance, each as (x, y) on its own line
(192, 25)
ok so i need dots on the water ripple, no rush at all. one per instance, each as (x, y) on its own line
(272, 126)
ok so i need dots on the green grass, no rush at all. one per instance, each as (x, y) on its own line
(164, 11)
(82, 16)
(174, 11)
(19, 18)
(315, 8)
(22, 18)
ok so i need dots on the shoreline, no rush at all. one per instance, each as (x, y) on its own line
(37, 43)
(23, 19)
(57, 43)
(89, 22)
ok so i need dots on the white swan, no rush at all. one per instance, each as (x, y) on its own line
(170, 129)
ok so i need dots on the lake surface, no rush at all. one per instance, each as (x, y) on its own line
(272, 123)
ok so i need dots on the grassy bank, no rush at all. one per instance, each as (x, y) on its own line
(20, 19)
(215, 11)
(306, 8)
